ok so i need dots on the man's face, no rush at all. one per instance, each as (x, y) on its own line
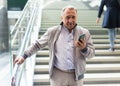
(69, 18)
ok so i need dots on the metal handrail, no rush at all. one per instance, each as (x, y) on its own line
(14, 32)
(20, 19)
(16, 80)
(22, 48)
(16, 65)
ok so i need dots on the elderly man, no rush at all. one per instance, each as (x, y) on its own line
(67, 53)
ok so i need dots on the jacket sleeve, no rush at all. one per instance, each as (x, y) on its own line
(37, 45)
(90, 49)
(100, 11)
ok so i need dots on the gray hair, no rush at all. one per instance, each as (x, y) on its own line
(68, 7)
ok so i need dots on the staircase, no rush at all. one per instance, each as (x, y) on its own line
(103, 69)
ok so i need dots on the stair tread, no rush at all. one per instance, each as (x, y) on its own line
(88, 77)
(107, 52)
(104, 52)
(103, 84)
(99, 67)
(101, 59)
(94, 58)
(92, 85)
(102, 46)
(88, 65)
(116, 51)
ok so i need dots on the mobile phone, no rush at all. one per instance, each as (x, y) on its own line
(81, 37)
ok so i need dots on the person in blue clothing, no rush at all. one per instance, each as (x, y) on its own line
(111, 19)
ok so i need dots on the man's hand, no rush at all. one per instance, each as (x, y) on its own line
(80, 44)
(19, 60)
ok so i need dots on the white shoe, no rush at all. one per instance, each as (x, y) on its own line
(111, 49)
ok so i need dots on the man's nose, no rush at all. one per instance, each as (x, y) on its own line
(70, 20)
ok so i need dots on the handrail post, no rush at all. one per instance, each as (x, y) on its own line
(13, 81)
(14, 75)
(14, 56)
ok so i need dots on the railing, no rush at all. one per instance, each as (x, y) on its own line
(28, 24)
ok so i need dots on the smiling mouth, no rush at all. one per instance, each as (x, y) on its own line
(70, 24)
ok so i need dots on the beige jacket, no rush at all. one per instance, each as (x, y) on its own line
(50, 38)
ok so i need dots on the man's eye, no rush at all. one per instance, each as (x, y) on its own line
(68, 17)
(73, 17)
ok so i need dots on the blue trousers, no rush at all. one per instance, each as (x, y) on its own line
(112, 36)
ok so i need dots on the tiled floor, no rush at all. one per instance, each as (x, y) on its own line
(5, 71)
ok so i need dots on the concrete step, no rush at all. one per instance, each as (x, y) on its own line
(93, 30)
(94, 60)
(117, 84)
(103, 36)
(98, 43)
(90, 78)
(94, 36)
(97, 46)
(104, 59)
(104, 41)
(90, 68)
(105, 46)
(91, 85)
(107, 53)
(97, 53)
